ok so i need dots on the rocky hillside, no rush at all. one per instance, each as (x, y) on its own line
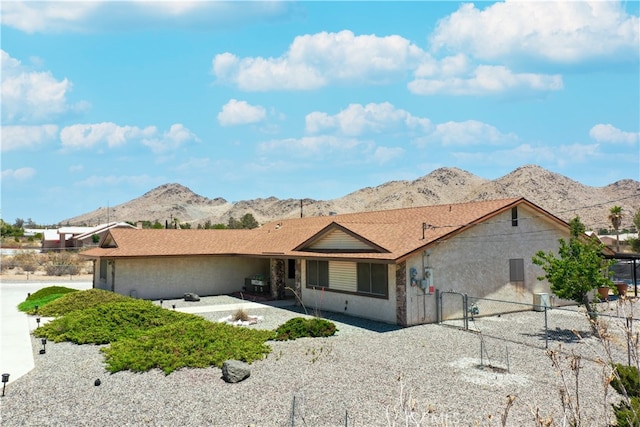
(556, 193)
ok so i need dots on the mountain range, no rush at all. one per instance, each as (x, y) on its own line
(558, 194)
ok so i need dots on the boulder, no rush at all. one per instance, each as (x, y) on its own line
(190, 296)
(234, 371)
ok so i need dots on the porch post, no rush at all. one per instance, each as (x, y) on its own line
(298, 285)
(277, 278)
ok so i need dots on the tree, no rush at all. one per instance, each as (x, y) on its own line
(615, 216)
(234, 223)
(248, 221)
(578, 269)
(19, 223)
(635, 243)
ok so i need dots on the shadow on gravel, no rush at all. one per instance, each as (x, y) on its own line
(565, 336)
(370, 325)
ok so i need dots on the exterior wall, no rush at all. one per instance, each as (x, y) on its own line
(476, 263)
(381, 309)
(172, 277)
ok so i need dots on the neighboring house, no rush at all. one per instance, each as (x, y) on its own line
(87, 238)
(76, 237)
(610, 240)
(383, 265)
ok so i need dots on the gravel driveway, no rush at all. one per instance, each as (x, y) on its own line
(369, 374)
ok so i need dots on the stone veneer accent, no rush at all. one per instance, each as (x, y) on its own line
(401, 293)
(277, 278)
(298, 285)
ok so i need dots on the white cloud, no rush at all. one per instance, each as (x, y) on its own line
(177, 136)
(88, 135)
(84, 136)
(76, 168)
(311, 146)
(336, 149)
(27, 137)
(485, 80)
(237, 112)
(74, 16)
(20, 174)
(52, 16)
(359, 119)
(31, 96)
(470, 132)
(556, 31)
(314, 61)
(609, 133)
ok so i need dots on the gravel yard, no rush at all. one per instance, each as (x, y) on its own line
(369, 374)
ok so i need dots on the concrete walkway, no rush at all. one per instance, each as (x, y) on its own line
(16, 352)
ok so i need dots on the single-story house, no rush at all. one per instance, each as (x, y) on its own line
(383, 265)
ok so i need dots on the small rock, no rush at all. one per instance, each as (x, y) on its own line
(190, 296)
(234, 371)
(97, 382)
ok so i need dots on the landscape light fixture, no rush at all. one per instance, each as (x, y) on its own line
(43, 350)
(5, 380)
(36, 309)
(174, 306)
(160, 303)
(38, 321)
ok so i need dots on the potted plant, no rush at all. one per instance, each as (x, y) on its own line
(622, 288)
(603, 292)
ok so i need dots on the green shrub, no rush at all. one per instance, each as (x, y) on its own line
(108, 322)
(628, 415)
(43, 297)
(300, 327)
(78, 301)
(627, 383)
(190, 342)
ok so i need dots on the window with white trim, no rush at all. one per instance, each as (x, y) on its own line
(372, 279)
(317, 273)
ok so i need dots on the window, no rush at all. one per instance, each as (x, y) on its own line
(103, 269)
(516, 270)
(372, 278)
(291, 269)
(514, 216)
(318, 273)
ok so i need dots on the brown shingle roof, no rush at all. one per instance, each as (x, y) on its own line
(399, 232)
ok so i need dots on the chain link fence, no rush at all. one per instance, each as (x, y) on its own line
(608, 332)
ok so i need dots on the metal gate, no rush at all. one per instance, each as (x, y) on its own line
(453, 309)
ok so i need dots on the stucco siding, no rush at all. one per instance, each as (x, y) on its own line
(172, 277)
(476, 262)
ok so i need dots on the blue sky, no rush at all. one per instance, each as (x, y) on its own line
(104, 101)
